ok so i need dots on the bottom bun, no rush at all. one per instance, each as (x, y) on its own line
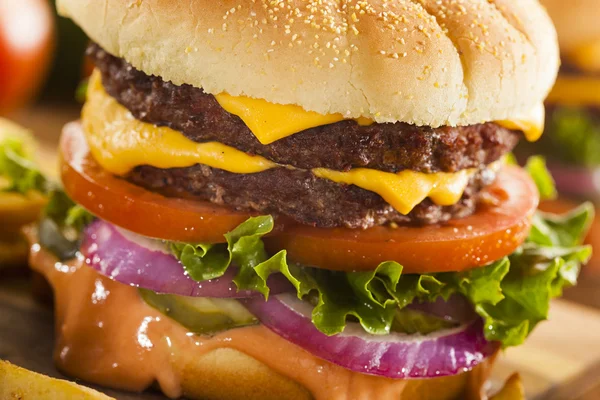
(226, 374)
(107, 335)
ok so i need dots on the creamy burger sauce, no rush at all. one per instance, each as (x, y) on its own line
(107, 335)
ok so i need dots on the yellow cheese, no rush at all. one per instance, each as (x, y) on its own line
(531, 123)
(576, 91)
(586, 56)
(119, 142)
(406, 189)
(270, 122)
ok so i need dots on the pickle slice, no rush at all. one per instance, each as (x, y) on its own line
(413, 321)
(201, 315)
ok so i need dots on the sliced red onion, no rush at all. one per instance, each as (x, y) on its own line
(578, 181)
(398, 356)
(142, 262)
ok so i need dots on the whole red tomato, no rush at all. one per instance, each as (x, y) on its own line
(26, 47)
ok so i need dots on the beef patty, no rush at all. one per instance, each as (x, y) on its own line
(296, 192)
(300, 195)
(339, 146)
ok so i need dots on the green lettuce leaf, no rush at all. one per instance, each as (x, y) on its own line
(480, 285)
(17, 167)
(512, 295)
(549, 261)
(536, 167)
(561, 230)
(246, 250)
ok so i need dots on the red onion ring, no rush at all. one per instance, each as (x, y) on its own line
(143, 262)
(579, 181)
(398, 356)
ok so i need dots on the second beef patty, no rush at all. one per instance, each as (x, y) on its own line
(339, 146)
(300, 195)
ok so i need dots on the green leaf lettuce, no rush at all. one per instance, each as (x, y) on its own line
(18, 169)
(512, 295)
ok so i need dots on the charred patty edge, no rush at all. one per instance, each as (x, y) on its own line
(301, 196)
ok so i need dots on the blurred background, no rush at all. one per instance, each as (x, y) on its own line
(42, 85)
(42, 65)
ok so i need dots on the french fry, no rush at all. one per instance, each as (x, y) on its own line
(18, 209)
(512, 390)
(17, 383)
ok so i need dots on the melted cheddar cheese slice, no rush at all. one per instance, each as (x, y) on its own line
(119, 143)
(404, 190)
(270, 122)
(531, 123)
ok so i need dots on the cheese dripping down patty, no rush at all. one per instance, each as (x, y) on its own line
(119, 142)
(270, 122)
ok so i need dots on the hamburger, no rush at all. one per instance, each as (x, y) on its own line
(304, 199)
(20, 202)
(572, 141)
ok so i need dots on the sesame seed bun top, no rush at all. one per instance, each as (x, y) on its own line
(426, 62)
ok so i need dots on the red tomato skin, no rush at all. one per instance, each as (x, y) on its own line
(26, 49)
(491, 233)
(135, 208)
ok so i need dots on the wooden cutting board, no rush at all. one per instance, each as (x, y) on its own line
(560, 361)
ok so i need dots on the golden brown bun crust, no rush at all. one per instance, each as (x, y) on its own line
(225, 374)
(576, 22)
(427, 62)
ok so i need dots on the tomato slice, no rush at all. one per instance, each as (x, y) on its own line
(133, 207)
(493, 232)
